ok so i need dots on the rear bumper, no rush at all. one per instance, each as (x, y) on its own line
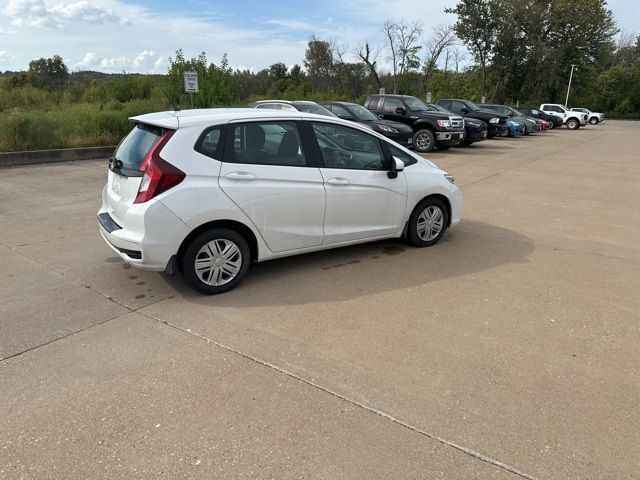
(150, 247)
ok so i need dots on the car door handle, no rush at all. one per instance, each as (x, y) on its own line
(246, 176)
(338, 181)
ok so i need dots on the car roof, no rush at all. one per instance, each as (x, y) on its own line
(215, 116)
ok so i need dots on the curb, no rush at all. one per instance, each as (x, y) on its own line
(13, 159)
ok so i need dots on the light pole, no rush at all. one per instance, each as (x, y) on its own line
(566, 102)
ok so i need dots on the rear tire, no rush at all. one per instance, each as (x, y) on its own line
(215, 261)
(424, 141)
(573, 124)
(428, 222)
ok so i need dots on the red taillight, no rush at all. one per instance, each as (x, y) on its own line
(159, 175)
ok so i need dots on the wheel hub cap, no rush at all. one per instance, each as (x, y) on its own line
(430, 223)
(218, 262)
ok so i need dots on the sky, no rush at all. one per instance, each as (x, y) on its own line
(140, 35)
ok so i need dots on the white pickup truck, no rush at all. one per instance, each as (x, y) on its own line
(594, 117)
(570, 118)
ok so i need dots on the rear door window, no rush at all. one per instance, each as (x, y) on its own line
(265, 143)
(134, 148)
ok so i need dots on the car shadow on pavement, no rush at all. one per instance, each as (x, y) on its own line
(360, 270)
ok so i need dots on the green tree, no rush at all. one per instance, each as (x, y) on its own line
(50, 73)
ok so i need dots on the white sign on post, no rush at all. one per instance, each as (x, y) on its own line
(428, 97)
(191, 82)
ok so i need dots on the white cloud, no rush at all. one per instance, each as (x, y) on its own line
(35, 13)
(145, 62)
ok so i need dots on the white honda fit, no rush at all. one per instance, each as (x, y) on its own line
(207, 192)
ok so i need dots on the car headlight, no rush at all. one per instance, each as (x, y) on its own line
(386, 128)
(494, 120)
(450, 177)
(443, 123)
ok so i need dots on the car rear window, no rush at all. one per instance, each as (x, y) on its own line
(135, 146)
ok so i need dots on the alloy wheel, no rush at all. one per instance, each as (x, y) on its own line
(423, 142)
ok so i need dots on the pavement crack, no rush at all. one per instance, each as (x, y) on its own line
(466, 450)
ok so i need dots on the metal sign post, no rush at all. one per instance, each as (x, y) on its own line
(191, 84)
(428, 97)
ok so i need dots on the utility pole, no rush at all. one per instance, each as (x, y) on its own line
(566, 102)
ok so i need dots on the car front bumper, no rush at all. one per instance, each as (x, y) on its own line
(450, 138)
(403, 138)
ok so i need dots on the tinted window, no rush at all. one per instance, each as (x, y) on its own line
(457, 106)
(390, 104)
(210, 142)
(339, 111)
(362, 113)
(374, 103)
(404, 156)
(416, 105)
(135, 146)
(344, 147)
(265, 143)
(313, 108)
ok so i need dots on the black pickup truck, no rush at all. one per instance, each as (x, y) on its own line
(430, 128)
(497, 123)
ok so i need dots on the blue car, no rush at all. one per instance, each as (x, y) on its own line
(515, 128)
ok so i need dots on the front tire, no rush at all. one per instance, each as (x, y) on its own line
(216, 261)
(424, 141)
(573, 124)
(593, 121)
(428, 222)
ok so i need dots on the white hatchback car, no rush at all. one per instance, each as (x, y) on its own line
(206, 192)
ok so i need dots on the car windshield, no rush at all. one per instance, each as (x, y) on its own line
(439, 108)
(313, 108)
(473, 106)
(416, 105)
(362, 113)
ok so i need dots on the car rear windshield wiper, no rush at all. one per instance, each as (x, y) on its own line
(117, 166)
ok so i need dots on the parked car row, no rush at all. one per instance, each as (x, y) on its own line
(451, 122)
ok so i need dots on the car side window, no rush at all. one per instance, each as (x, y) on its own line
(390, 104)
(210, 142)
(374, 103)
(265, 143)
(344, 147)
(407, 159)
(457, 106)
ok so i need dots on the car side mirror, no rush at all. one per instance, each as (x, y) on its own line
(464, 110)
(397, 166)
(400, 111)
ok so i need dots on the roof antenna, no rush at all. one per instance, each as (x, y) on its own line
(176, 108)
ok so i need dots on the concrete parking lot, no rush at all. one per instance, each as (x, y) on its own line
(509, 350)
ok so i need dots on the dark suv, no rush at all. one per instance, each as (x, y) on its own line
(398, 132)
(430, 127)
(474, 130)
(497, 123)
